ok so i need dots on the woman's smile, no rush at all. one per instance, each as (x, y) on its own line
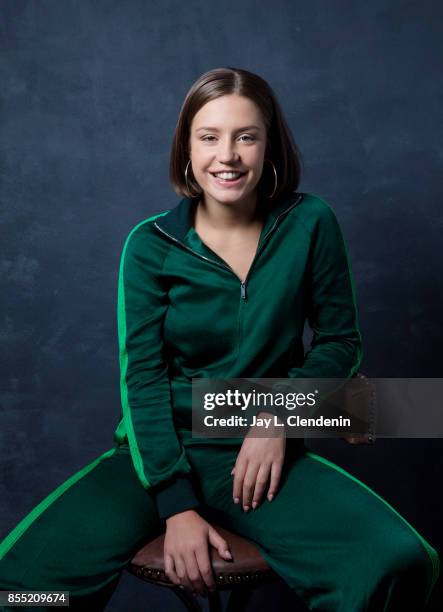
(228, 179)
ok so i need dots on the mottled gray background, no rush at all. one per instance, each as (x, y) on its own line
(90, 94)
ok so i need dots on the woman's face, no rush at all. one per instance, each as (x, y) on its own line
(223, 138)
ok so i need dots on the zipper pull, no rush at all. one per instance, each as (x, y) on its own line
(243, 290)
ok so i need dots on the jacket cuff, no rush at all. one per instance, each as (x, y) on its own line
(176, 497)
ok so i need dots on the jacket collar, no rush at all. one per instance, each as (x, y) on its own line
(178, 220)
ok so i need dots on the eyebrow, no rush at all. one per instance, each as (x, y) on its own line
(214, 129)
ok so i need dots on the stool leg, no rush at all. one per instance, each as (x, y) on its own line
(190, 602)
(214, 601)
(239, 598)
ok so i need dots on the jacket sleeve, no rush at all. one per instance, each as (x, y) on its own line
(336, 346)
(159, 458)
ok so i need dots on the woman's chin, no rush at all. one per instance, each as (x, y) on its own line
(226, 195)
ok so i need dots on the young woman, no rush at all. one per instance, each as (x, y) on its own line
(220, 286)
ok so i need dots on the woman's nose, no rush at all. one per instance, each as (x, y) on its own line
(227, 152)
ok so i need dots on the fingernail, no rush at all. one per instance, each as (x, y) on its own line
(236, 500)
(246, 508)
(270, 497)
(227, 554)
(254, 504)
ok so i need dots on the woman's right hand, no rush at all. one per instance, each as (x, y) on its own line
(186, 551)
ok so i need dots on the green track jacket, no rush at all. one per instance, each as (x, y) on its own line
(183, 313)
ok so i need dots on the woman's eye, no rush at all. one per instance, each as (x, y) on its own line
(206, 138)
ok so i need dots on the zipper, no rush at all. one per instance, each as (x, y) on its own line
(243, 292)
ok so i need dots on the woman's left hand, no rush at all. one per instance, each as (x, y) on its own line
(257, 460)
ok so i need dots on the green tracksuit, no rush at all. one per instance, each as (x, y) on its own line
(181, 304)
(182, 314)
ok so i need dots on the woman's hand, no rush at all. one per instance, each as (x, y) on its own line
(258, 459)
(186, 551)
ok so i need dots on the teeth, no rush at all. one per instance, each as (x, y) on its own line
(228, 175)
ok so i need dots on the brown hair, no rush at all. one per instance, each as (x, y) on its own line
(281, 148)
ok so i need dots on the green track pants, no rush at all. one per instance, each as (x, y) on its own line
(337, 543)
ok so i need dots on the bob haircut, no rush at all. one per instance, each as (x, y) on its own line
(281, 148)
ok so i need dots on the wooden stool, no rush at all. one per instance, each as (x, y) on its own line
(247, 571)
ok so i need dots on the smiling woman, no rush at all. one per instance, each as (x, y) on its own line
(231, 155)
(220, 286)
(231, 121)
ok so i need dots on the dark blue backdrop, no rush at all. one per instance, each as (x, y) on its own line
(91, 92)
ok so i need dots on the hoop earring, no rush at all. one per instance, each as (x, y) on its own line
(275, 179)
(186, 179)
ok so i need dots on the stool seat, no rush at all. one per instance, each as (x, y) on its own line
(247, 565)
(247, 569)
